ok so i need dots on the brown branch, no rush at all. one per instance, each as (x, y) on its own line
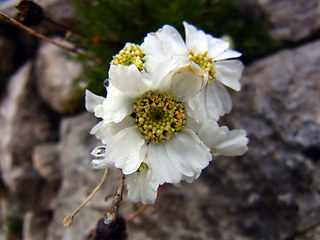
(137, 213)
(111, 215)
(72, 30)
(41, 36)
(68, 220)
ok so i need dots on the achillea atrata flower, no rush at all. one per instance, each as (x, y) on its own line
(158, 121)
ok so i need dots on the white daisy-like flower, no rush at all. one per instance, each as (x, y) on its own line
(159, 118)
(144, 123)
(211, 54)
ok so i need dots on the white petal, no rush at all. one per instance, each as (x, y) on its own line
(126, 150)
(193, 124)
(195, 39)
(212, 102)
(116, 106)
(163, 73)
(140, 187)
(162, 168)
(172, 41)
(235, 144)
(217, 100)
(188, 154)
(185, 82)
(212, 135)
(92, 101)
(152, 45)
(229, 73)
(128, 80)
(153, 49)
(191, 179)
(216, 46)
(101, 163)
(106, 130)
(227, 54)
(96, 130)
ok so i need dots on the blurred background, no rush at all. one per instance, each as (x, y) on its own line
(270, 193)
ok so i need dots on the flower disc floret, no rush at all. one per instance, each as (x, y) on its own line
(204, 62)
(159, 116)
(130, 54)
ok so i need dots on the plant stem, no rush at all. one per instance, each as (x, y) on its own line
(41, 36)
(68, 220)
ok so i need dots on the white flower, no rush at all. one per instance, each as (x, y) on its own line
(211, 54)
(145, 122)
(222, 141)
(159, 118)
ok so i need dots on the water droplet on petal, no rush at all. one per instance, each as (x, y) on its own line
(106, 83)
(99, 151)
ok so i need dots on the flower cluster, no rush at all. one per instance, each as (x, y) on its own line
(159, 119)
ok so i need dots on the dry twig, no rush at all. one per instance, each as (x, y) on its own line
(137, 213)
(112, 214)
(41, 36)
(68, 220)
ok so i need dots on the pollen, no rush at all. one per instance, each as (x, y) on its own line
(130, 54)
(159, 116)
(204, 62)
(178, 116)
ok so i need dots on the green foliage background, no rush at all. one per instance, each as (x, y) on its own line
(116, 22)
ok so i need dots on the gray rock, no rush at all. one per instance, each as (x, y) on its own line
(293, 20)
(35, 225)
(59, 10)
(24, 124)
(79, 179)
(45, 160)
(285, 89)
(6, 63)
(278, 106)
(55, 77)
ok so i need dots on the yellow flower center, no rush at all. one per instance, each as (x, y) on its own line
(204, 62)
(130, 54)
(159, 116)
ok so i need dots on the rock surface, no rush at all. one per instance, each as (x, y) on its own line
(24, 124)
(45, 159)
(79, 179)
(292, 20)
(55, 77)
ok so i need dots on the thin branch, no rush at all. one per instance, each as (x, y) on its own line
(137, 213)
(112, 214)
(68, 28)
(41, 36)
(68, 220)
